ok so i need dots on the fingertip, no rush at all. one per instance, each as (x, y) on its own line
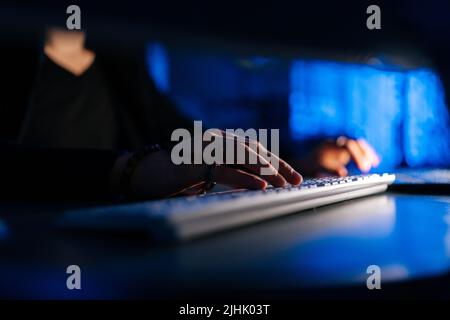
(299, 178)
(377, 161)
(260, 184)
(342, 172)
(296, 178)
(278, 181)
(264, 184)
(366, 166)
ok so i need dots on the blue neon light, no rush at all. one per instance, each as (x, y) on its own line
(158, 64)
(402, 114)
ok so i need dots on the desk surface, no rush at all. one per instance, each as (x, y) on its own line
(407, 236)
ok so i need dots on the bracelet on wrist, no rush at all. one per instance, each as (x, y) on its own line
(209, 182)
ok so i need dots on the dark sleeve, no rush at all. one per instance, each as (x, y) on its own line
(148, 115)
(55, 174)
(167, 114)
(160, 114)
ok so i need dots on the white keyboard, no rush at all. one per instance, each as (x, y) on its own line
(188, 217)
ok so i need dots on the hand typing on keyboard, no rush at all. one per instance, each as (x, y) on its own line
(156, 176)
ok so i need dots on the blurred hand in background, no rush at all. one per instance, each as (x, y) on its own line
(334, 156)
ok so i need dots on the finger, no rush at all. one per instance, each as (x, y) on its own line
(247, 158)
(370, 152)
(238, 178)
(342, 171)
(283, 168)
(337, 160)
(341, 141)
(271, 174)
(358, 155)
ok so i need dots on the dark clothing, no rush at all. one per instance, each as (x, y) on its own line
(68, 111)
(114, 104)
(71, 127)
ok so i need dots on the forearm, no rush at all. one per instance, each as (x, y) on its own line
(156, 176)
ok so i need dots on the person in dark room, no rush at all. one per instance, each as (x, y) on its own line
(84, 105)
